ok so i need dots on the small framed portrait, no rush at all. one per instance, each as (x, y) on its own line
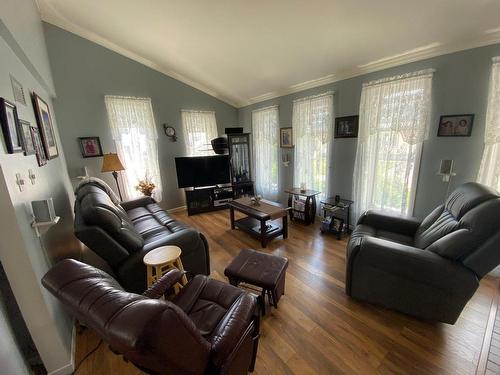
(26, 137)
(10, 126)
(38, 145)
(286, 137)
(44, 121)
(455, 125)
(346, 127)
(90, 147)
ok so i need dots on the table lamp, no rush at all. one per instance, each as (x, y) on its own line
(111, 163)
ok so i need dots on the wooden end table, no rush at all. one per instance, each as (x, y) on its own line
(255, 223)
(162, 259)
(307, 215)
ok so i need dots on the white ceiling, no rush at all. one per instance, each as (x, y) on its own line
(244, 51)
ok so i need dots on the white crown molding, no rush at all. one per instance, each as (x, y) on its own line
(417, 54)
(50, 15)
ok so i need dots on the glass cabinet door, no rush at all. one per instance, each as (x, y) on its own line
(239, 149)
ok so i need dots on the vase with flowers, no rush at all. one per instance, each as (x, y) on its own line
(146, 186)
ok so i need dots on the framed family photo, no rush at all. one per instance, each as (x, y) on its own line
(286, 137)
(90, 147)
(44, 121)
(346, 127)
(27, 138)
(10, 126)
(455, 125)
(38, 145)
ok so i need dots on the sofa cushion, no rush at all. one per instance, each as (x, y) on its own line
(363, 230)
(468, 196)
(138, 213)
(98, 209)
(444, 224)
(148, 225)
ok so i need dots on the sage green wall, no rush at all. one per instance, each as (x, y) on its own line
(460, 85)
(84, 72)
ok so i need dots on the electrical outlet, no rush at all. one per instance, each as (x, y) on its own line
(19, 181)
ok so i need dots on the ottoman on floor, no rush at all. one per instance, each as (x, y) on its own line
(261, 270)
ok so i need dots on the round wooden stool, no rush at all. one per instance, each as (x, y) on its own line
(161, 260)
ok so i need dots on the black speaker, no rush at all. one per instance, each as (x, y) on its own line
(233, 130)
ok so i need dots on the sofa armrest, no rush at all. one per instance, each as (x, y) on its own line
(166, 282)
(138, 202)
(406, 225)
(414, 264)
(232, 327)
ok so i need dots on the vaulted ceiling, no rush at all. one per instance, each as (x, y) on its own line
(246, 51)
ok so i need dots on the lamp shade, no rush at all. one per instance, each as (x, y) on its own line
(111, 162)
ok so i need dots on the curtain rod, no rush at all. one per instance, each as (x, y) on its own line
(195, 111)
(419, 73)
(314, 96)
(125, 97)
(264, 108)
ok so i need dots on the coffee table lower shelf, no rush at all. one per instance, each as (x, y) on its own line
(253, 227)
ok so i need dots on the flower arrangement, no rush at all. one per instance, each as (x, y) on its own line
(146, 186)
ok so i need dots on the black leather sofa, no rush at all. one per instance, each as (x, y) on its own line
(122, 234)
(430, 268)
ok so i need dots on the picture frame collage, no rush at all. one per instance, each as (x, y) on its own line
(20, 136)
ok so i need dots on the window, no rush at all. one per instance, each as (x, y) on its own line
(394, 121)
(489, 172)
(265, 125)
(200, 128)
(312, 131)
(133, 129)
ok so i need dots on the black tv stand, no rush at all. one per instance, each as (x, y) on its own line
(213, 198)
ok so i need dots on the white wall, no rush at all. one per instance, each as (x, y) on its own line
(10, 358)
(25, 257)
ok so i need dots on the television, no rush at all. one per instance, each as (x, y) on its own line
(196, 171)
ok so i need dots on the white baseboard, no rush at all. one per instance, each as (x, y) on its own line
(70, 367)
(177, 209)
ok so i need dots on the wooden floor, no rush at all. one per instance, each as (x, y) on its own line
(317, 329)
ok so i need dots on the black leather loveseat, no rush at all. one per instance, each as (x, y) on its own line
(430, 268)
(122, 234)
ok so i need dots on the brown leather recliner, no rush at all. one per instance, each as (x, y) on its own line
(209, 328)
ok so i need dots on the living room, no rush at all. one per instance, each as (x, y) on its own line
(325, 174)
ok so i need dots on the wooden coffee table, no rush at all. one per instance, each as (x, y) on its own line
(258, 222)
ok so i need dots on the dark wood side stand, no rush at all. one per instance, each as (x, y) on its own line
(308, 215)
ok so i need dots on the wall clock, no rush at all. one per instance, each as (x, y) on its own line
(170, 132)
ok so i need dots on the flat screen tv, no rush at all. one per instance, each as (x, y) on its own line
(197, 171)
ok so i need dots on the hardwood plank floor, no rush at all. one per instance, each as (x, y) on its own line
(317, 329)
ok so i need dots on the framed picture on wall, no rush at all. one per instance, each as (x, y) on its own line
(455, 125)
(27, 138)
(10, 126)
(346, 127)
(90, 147)
(286, 137)
(37, 144)
(44, 121)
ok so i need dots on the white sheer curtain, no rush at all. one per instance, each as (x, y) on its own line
(134, 131)
(489, 172)
(200, 127)
(265, 129)
(393, 123)
(312, 132)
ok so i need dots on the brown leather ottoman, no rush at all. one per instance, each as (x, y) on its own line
(262, 270)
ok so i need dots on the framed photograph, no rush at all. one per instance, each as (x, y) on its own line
(44, 121)
(37, 144)
(286, 137)
(10, 126)
(346, 127)
(26, 137)
(90, 147)
(455, 125)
